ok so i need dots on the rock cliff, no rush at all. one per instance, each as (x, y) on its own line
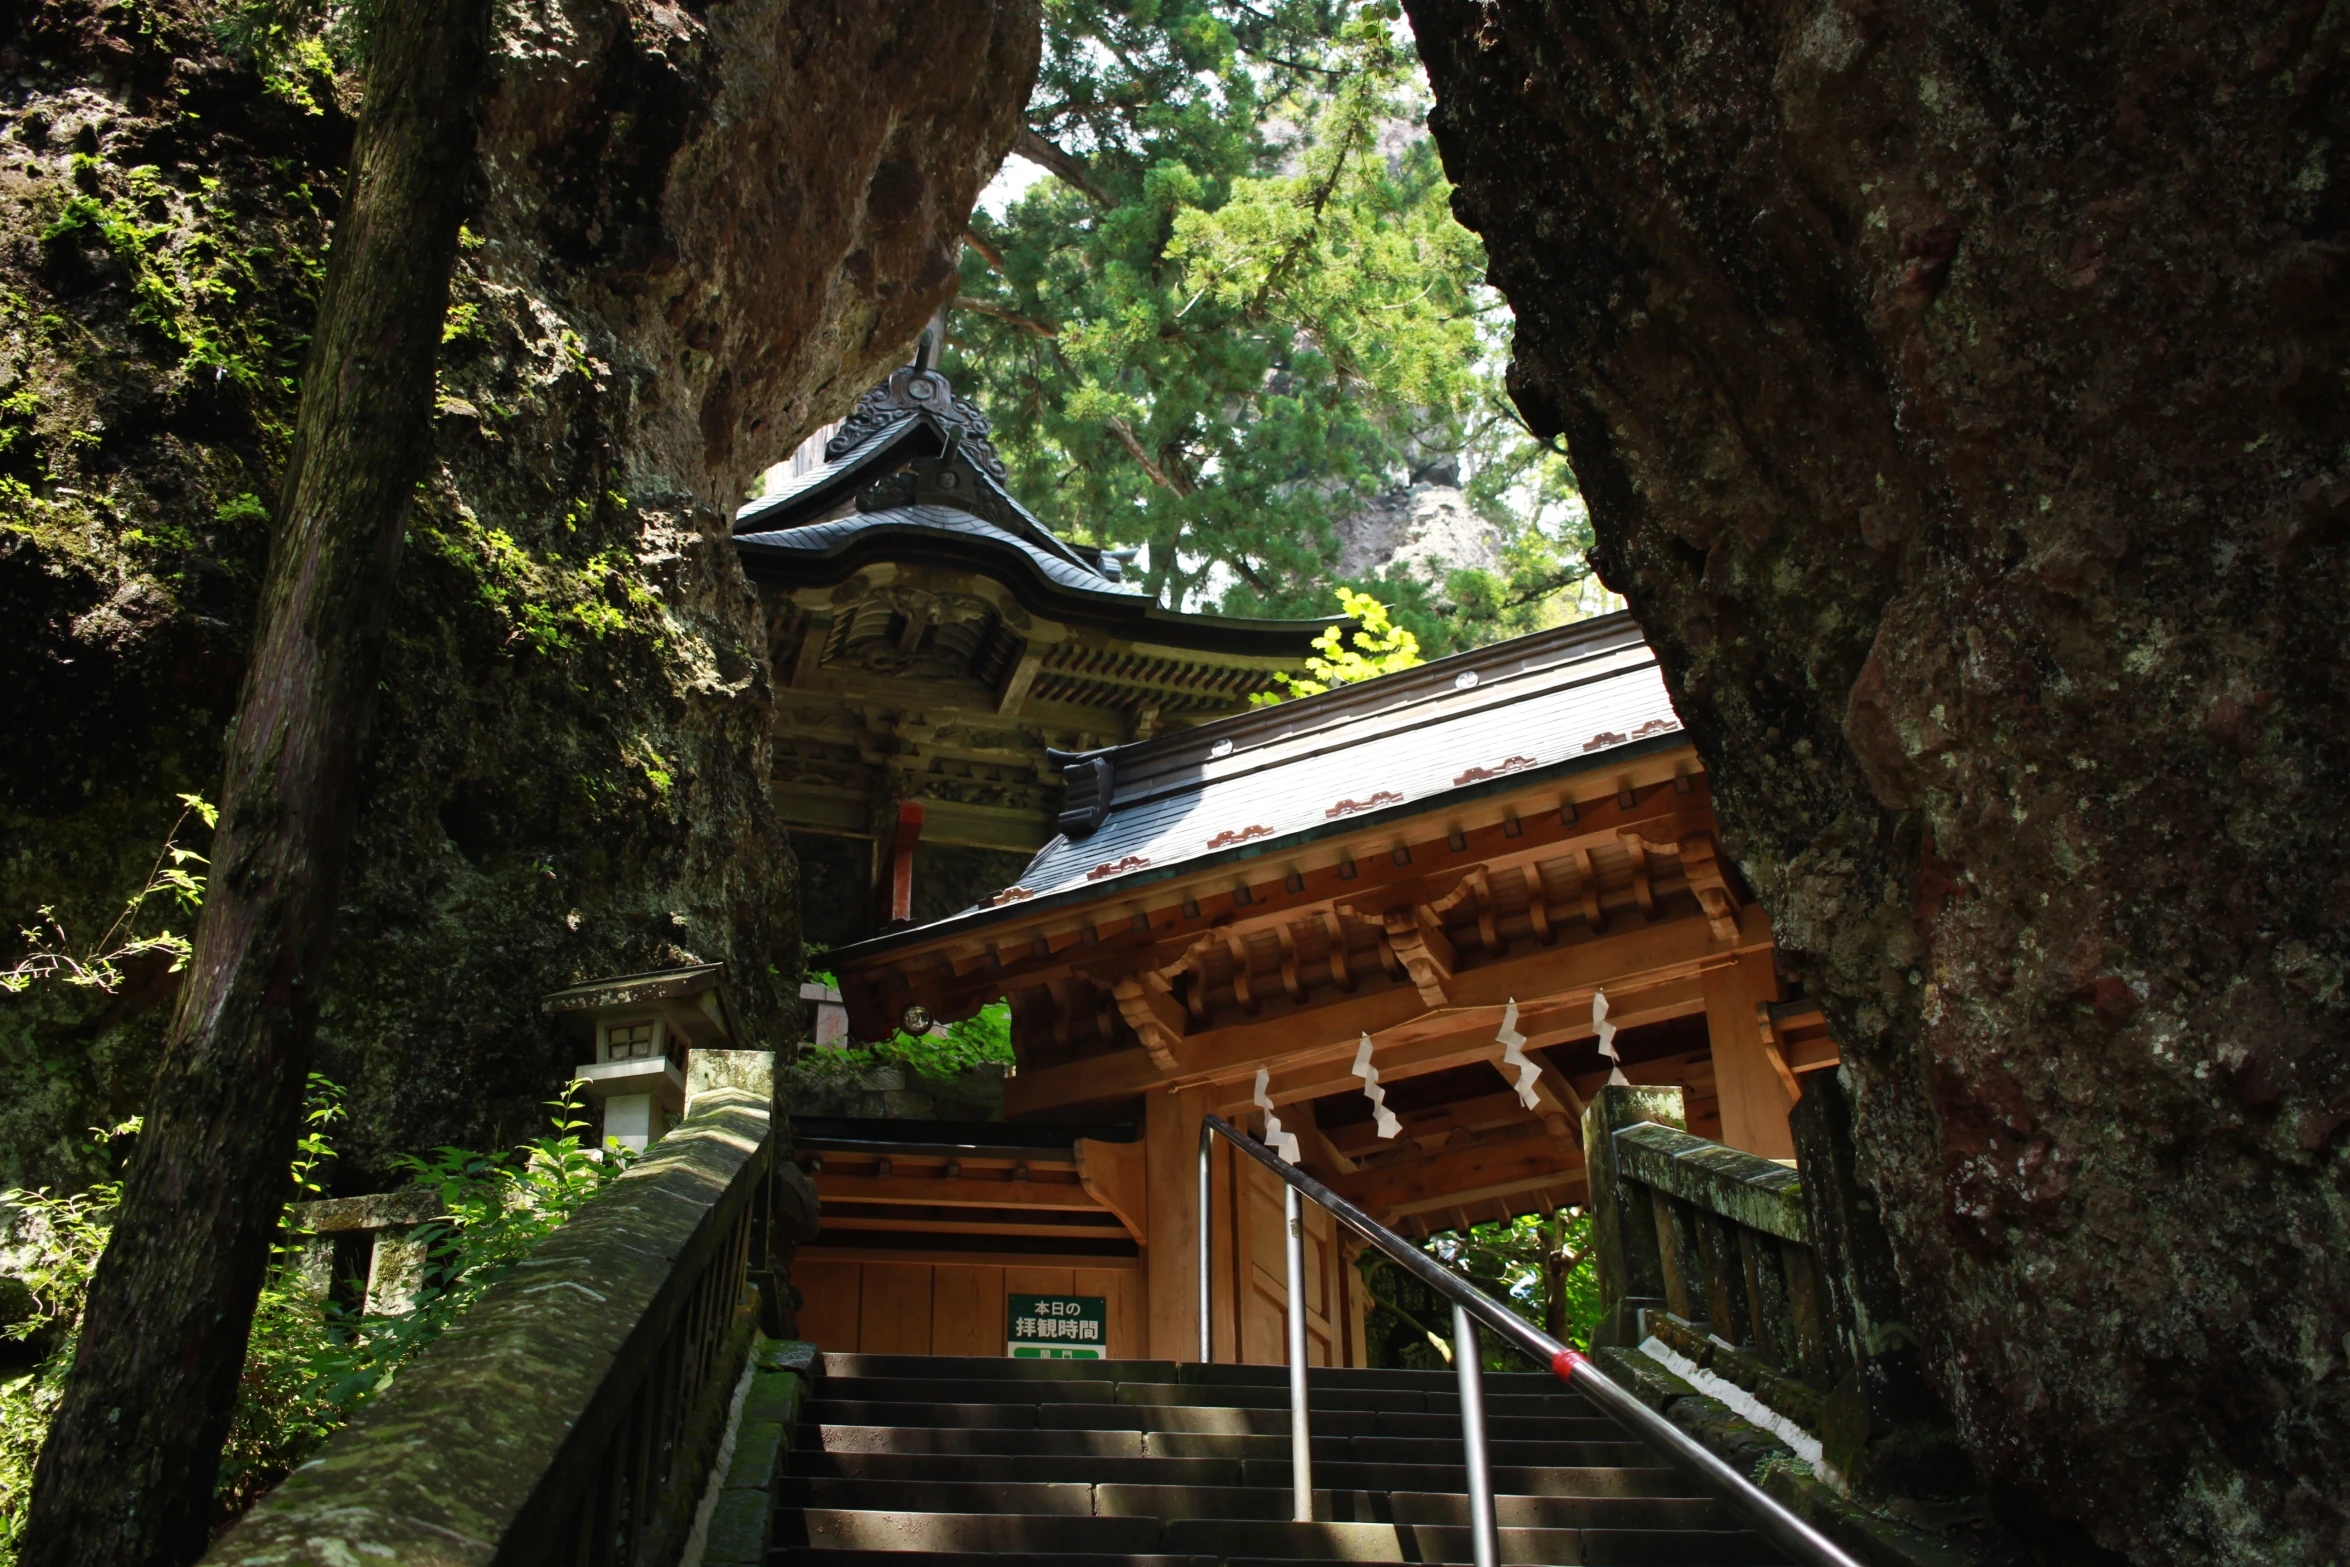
(698, 232)
(1959, 395)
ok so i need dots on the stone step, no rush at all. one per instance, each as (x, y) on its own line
(1165, 1501)
(997, 1368)
(993, 1368)
(871, 1437)
(1546, 1398)
(1213, 1419)
(1244, 1540)
(986, 1465)
(1021, 1534)
(998, 1466)
(819, 1556)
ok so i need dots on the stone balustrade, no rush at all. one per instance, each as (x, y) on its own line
(574, 1412)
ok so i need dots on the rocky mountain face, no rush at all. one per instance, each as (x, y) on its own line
(697, 234)
(1959, 397)
(1423, 529)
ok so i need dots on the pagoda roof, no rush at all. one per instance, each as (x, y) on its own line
(863, 506)
(1579, 697)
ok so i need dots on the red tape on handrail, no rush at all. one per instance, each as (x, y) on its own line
(1566, 1363)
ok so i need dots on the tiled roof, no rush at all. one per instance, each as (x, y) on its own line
(1557, 702)
(837, 475)
(820, 539)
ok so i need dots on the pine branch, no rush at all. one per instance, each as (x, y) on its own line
(1067, 167)
(980, 307)
(986, 248)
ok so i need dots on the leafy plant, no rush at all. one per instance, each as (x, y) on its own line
(309, 1363)
(1536, 1266)
(98, 966)
(1376, 647)
(984, 1037)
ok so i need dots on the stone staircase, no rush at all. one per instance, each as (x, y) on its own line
(943, 1460)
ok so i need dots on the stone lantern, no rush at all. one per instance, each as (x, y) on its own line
(638, 1029)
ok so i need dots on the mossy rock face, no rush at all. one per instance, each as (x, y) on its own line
(674, 267)
(1960, 396)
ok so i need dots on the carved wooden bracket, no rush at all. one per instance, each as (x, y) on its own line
(1151, 1013)
(1424, 950)
(1704, 871)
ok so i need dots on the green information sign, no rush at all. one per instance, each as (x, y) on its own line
(1056, 1327)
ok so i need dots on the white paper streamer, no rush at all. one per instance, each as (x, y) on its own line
(1607, 1039)
(1388, 1124)
(1281, 1142)
(1513, 1053)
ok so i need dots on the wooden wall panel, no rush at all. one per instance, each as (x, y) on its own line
(1121, 1292)
(894, 1314)
(967, 1311)
(829, 1295)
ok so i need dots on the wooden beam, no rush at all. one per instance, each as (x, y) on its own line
(1560, 979)
(1661, 815)
(942, 1192)
(1023, 676)
(1113, 1174)
(932, 1224)
(985, 1259)
(1489, 1169)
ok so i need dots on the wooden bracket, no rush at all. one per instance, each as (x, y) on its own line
(1153, 1015)
(1704, 870)
(1775, 1049)
(1424, 950)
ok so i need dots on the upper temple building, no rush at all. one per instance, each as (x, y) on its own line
(934, 641)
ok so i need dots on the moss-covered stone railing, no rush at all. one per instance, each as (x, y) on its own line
(573, 1414)
(1719, 1238)
(1756, 1306)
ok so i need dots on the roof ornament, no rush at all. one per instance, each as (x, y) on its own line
(1607, 1040)
(1513, 1053)
(918, 389)
(1281, 1142)
(1389, 1124)
(1088, 782)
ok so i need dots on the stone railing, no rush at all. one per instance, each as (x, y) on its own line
(1760, 1302)
(574, 1413)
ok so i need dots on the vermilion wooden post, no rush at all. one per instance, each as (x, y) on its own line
(901, 861)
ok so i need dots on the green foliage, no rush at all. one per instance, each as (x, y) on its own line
(1244, 308)
(1538, 1267)
(985, 1036)
(308, 1364)
(552, 603)
(1376, 647)
(189, 283)
(497, 1208)
(50, 952)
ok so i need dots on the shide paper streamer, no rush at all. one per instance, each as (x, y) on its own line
(1513, 1053)
(1607, 1039)
(1281, 1142)
(1388, 1124)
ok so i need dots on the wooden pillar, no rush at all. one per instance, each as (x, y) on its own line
(1170, 1134)
(1754, 1100)
(901, 861)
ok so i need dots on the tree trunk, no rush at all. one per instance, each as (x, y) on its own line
(1958, 392)
(127, 1475)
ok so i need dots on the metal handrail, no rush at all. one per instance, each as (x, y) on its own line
(1471, 1306)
